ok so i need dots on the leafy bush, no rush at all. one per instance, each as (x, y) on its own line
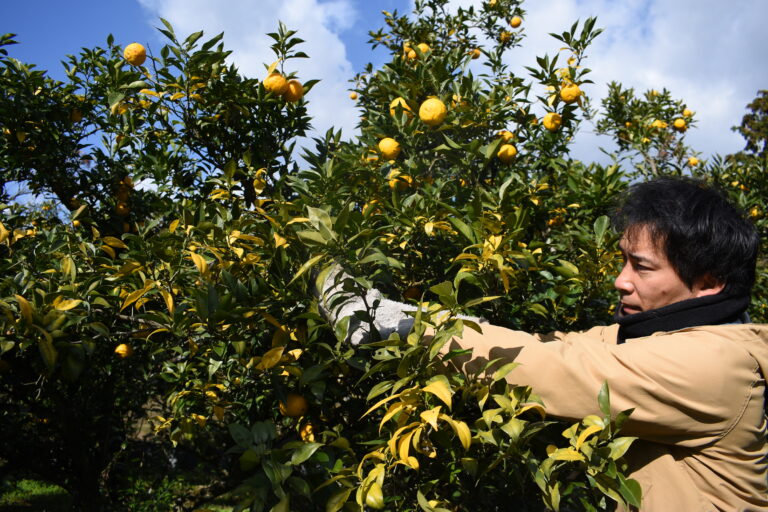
(167, 279)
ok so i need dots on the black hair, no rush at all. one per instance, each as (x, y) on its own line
(700, 231)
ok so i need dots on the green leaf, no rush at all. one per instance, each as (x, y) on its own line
(604, 399)
(502, 372)
(631, 491)
(619, 446)
(311, 237)
(304, 452)
(138, 84)
(462, 228)
(379, 388)
(601, 226)
(480, 300)
(338, 500)
(241, 435)
(306, 266)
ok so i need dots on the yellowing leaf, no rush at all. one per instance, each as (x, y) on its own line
(136, 295)
(280, 241)
(62, 304)
(107, 249)
(568, 454)
(404, 446)
(586, 433)
(440, 387)
(431, 416)
(175, 96)
(25, 308)
(172, 227)
(271, 358)
(150, 92)
(200, 263)
(68, 267)
(393, 409)
(4, 233)
(47, 350)
(273, 66)
(168, 297)
(114, 242)
(272, 320)
(536, 407)
(461, 429)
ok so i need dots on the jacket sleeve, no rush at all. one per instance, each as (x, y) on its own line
(686, 388)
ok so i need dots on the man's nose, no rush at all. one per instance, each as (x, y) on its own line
(622, 282)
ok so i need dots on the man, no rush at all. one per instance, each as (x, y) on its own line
(682, 352)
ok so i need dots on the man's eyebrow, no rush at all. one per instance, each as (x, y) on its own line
(639, 257)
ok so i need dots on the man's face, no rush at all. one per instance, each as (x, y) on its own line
(648, 280)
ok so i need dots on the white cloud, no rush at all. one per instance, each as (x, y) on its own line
(245, 24)
(708, 53)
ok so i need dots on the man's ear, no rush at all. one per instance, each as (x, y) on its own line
(707, 285)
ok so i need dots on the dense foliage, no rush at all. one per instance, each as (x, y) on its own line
(162, 292)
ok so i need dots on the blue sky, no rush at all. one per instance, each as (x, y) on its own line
(708, 52)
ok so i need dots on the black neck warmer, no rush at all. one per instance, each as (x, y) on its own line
(709, 310)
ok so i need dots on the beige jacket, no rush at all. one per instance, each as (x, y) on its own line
(698, 399)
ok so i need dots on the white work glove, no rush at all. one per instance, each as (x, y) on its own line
(339, 297)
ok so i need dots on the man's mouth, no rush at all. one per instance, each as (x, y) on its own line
(627, 309)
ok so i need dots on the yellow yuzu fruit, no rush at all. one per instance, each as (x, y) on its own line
(506, 153)
(506, 135)
(293, 91)
(688, 112)
(432, 112)
(680, 124)
(389, 147)
(135, 54)
(294, 406)
(275, 83)
(552, 121)
(659, 124)
(516, 21)
(307, 432)
(353, 95)
(122, 209)
(76, 223)
(412, 293)
(424, 48)
(475, 53)
(570, 93)
(399, 103)
(693, 161)
(123, 350)
(505, 36)
(399, 181)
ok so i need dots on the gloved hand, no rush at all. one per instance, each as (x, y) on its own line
(339, 296)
